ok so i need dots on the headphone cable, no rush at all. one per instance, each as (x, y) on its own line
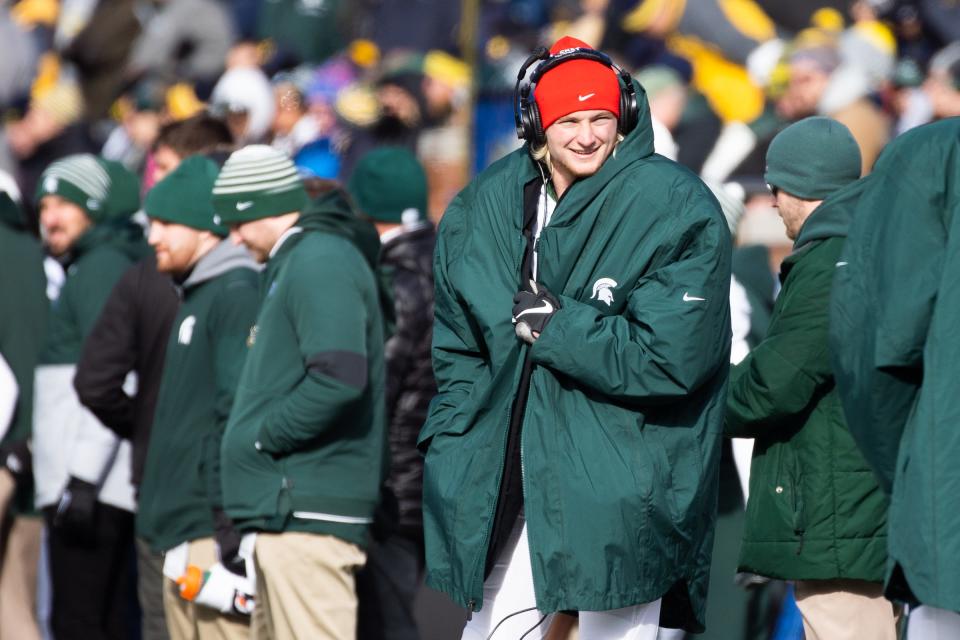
(515, 613)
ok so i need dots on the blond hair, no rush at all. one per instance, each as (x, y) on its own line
(541, 153)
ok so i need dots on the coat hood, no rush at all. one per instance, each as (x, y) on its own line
(119, 233)
(222, 258)
(331, 212)
(832, 218)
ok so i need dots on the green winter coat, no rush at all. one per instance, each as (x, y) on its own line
(815, 511)
(23, 328)
(68, 441)
(305, 446)
(895, 313)
(621, 435)
(205, 354)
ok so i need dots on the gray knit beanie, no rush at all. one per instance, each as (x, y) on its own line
(257, 182)
(812, 158)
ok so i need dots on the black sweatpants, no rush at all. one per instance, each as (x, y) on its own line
(92, 582)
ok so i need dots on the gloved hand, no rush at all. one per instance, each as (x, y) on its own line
(77, 511)
(15, 457)
(532, 310)
(228, 543)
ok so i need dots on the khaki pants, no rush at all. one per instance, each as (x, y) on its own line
(846, 610)
(305, 587)
(18, 580)
(189, 621)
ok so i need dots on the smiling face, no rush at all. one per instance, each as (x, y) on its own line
(579, 144)
(62, 223)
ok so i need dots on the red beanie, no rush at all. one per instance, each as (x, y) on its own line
(577, 85)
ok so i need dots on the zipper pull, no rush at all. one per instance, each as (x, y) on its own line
(470, 606)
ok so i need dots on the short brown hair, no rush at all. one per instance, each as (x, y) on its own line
(199, 134)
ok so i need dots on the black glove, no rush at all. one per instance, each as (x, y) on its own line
(77, 512)
(228, 543)
(532, 310)
(15, 457)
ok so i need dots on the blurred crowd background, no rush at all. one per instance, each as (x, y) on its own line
(326, 80)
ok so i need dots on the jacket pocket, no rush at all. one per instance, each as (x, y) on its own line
(790, 488)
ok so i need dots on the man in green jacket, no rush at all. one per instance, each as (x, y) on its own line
(815, 513)
(22, 332)
(181, 508)
(894, 315)
(581, 348)
(304, 453)
(81, 468)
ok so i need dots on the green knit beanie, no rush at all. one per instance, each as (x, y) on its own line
(183, 196)
(81, 179)
(104, 189)
(813, 158)
(389, 185)
(123, 198)
(256, 182)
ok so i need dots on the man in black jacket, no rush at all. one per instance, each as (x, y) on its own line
(131, 337)
(390, 187)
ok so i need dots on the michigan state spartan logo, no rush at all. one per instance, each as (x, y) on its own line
(603, 290)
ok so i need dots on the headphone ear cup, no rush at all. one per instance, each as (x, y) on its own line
(629, 112)
(539, 138)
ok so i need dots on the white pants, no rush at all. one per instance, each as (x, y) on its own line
(509, 590)
(930, 623)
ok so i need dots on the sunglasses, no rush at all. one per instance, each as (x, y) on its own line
(773, 190)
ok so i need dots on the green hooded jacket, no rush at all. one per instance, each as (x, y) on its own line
(815, 511)
(68, 441)
(623, 423)
(22, 333)
(305, 446)
(895, 310)
(204, 357)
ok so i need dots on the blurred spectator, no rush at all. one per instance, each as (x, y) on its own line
(323, 89)
(293, 125)
(22, 284)
(185, 39)
(943, 82)
(821, 85)
(82, 469)
(402, 110)
(443, 146)
(667, 95)
(390, 187)
(244, 97)
(99, 52)
(141, 113)
(908, 102)
(49, 130)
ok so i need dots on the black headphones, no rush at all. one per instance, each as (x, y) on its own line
(526, 114)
